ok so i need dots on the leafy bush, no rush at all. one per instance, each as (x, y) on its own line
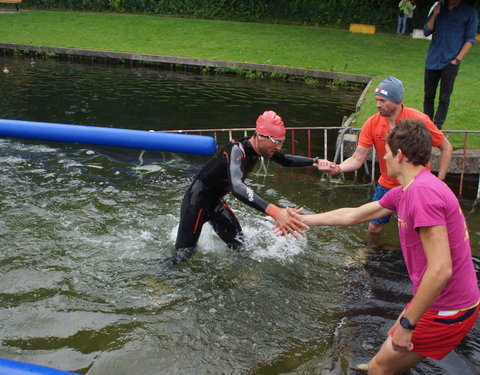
(339, 13)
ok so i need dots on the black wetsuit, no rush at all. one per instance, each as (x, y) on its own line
(203, 201)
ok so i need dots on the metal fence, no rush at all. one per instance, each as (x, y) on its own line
(330, 143)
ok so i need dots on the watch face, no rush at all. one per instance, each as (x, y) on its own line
(405, 323)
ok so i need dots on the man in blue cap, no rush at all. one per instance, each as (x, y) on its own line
(389, 97)
(454, 25)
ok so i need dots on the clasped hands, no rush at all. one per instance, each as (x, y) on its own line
(288, 220)
(327, 166)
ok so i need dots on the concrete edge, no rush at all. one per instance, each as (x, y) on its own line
(163, 59)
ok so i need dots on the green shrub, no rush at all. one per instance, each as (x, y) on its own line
(339, 13)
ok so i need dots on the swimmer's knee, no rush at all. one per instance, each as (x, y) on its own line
(181, 255)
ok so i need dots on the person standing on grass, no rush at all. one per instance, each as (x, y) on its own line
(435, 245)
(389, 96)
(403, 10)
(453, 26)
(410, 17)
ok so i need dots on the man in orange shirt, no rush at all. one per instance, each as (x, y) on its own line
(389, 96)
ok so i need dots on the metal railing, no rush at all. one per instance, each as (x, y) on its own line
(314, 141)
(466, 133)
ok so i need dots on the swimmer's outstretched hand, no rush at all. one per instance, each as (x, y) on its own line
(324, 165)
(289, 221)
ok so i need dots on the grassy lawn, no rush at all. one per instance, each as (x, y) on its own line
(299, 46)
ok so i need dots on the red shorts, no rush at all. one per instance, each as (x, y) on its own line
(436, 335)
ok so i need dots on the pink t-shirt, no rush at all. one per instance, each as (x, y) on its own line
(426, 202)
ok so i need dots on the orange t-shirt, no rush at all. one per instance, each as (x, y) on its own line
(376, 129)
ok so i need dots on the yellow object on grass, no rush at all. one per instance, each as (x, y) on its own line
(360, 28)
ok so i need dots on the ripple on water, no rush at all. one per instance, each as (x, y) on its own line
(82, 229)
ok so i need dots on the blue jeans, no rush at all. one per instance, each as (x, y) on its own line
(380, 191)
(402, 24)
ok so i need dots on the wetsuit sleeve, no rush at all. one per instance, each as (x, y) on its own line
(292, 160)
(236, 171)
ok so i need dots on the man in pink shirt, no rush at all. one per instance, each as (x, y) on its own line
(436, 248)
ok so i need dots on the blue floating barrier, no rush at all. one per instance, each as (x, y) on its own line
(9, 367)
(114, 137)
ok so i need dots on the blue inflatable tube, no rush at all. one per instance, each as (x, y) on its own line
(114, 137)
(9, 367)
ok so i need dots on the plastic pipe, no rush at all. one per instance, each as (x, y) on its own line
(114, 137)
(10, 367)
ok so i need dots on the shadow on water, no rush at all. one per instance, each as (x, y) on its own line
(82, 228)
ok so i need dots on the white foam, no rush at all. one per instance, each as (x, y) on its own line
(150, 168)
(260, 241)
(266, 245)
(11, 160)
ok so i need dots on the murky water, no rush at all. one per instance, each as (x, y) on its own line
(148, 98)
(81, 229)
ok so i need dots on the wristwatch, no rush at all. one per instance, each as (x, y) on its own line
(406, 324)
(457, 61)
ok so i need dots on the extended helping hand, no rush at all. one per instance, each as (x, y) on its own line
(289, 221)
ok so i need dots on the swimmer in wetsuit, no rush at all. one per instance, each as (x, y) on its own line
(226, 172)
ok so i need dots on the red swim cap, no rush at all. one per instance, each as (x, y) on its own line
(269, 123)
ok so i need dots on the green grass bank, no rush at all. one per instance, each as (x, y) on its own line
(298, 46)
